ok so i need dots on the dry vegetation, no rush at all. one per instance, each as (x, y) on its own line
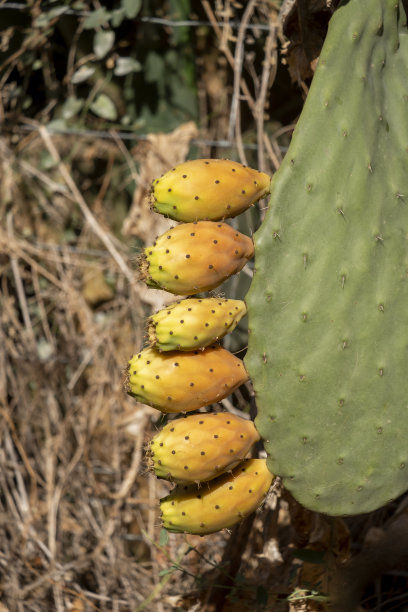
(79, 522)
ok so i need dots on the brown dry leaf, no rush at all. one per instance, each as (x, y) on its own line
(77, 605)
(95, 289)
(160, 153)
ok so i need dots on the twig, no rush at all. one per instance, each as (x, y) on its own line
(19, 286)
(92, 222)
(238, 61)
(230, 564)
(228, 54)
(266, 83)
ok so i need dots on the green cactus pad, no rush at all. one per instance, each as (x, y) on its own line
(328, 307)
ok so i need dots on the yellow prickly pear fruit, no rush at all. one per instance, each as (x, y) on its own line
(201, 446)
(208, 189)
(194, 323)
(219, 503)
(181, 382)
(195, 257)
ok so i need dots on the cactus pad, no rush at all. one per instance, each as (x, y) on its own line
(181, 382)
(208, 189)
(195, 257)
(218, 504)
(328, 348)
(194, 323)
(200, 447)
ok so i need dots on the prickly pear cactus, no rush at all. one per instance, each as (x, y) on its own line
(328, 314)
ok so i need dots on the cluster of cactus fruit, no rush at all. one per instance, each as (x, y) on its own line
(327, 349)
(184, 368)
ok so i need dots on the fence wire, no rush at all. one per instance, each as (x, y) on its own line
(172, 23)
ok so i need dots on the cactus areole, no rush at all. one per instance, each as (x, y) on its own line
(328, 314)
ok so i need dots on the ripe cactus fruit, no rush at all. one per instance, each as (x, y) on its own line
(218, 504)
(328, 343)
(208, 189)
(181, 382)
(194, 323)
(201, 446)
(195, 257)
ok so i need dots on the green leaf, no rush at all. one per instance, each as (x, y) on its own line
(96, 19)
(103, 42)
(154, 67)
(71, 107)
(104, 107)
(82, 74)
(169, 570)
(131, 7)
(117, 17)
(164, 537)
(125, 65)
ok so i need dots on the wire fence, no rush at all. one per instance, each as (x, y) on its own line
(240, 93)
(131, 136)
(172, 23)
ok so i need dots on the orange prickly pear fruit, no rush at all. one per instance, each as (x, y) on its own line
(181, 382)
(194, 323)
(208, 189)
(201, 446)
(195, 257)
(220, 503)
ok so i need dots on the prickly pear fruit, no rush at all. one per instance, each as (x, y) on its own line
(194, 323)
(201, 446)
(195, 257)
(180, 382)
(220, 503)
(208, 189)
